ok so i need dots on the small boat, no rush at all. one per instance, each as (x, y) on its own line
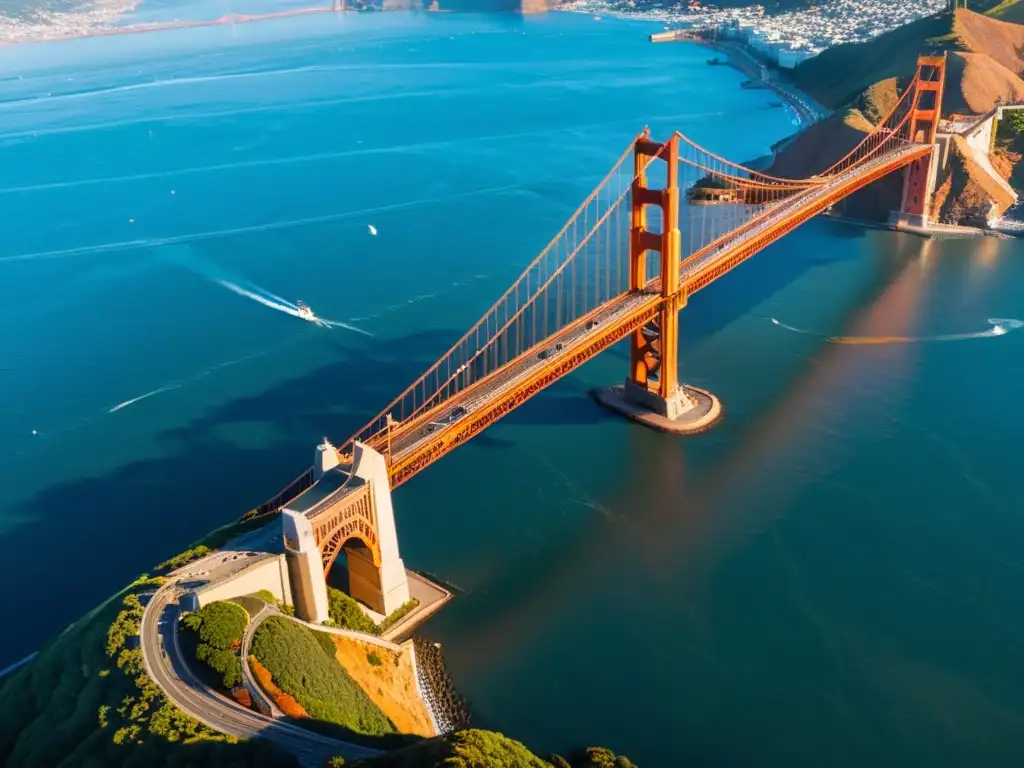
(305, 312)
(371, 229)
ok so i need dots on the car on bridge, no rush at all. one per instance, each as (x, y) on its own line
(544, 354)
(454, 415)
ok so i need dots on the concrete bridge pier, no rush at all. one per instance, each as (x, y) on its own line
(347, 509)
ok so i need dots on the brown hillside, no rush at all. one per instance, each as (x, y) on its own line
(975, 82)
(840, 74)
(820, 146)
(1001, 40)
(967, 194)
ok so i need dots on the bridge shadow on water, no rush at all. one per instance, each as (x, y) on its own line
(112, 526)
(115, 525)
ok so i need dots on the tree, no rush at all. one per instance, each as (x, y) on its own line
(223, 624)
(220, 627)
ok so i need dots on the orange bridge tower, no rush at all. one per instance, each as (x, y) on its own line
(652, 393)
(920, 176)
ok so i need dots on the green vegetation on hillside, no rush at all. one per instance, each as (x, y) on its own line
(215, 539)
(184, 558)
(397, 615)
(485, 749)
(295, 658)
(345, 613)
(85, 700)
(325, 643)
(219, 628)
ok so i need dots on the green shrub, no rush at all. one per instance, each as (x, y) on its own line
(325, 643)
(474, 748)
(266, 596)
(222, 624)
(373, 659)
(72, 705)
(210, 542)
(462, 749)
(398, 614)
(346, 613)
(219, 628)
(224, 662)
(324, 689)
(184, 558)
(599, 757)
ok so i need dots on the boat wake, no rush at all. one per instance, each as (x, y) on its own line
(134, 400)
(273, 301)
(1000, 327)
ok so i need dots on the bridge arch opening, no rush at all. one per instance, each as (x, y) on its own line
(352, 563)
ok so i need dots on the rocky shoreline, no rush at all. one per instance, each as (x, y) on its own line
(447, 707)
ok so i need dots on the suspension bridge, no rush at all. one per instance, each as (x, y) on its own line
(667, 220)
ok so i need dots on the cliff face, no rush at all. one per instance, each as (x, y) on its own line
(967, 194)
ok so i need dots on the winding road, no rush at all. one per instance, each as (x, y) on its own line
(165, 663)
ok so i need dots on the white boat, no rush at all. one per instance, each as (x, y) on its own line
(305, 312)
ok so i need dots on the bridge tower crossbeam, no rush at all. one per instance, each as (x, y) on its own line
(653, 357)
(926, 110)
(652, 393)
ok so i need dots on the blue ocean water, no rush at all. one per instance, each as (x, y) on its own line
(830, 575)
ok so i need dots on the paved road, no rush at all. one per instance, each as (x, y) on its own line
(807, 111)
(268, 703)
(167, 666)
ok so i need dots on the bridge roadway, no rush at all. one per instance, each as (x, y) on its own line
(420, 433)
(792, 207)
(165, 663)
(162, 655)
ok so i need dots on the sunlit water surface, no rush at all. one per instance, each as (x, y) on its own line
(833, 575)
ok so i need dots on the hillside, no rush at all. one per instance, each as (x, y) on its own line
(985, 60)
(86, 700)
(975, 82)
(840, 74)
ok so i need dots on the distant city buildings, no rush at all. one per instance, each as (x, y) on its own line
(785, 39)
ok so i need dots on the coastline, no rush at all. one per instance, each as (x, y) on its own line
(738, 57)
(228, 18)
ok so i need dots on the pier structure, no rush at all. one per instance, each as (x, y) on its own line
(345, 510)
